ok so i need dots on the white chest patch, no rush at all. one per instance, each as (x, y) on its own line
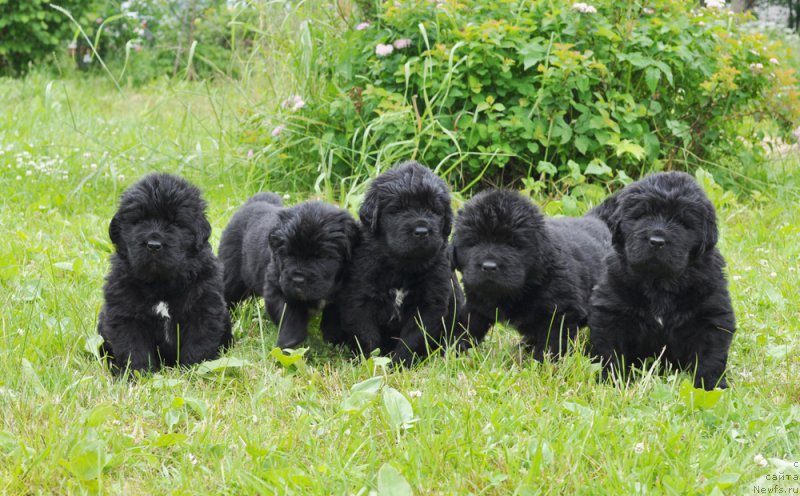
(659, 320)
(399, 296)
(161, 309)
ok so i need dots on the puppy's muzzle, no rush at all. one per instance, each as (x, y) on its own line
(421, 232)
(154, 245)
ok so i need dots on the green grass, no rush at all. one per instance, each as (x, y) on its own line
(483, 423)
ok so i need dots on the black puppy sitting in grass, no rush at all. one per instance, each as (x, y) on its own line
(663, 292)
(518, 266)
(401, 294)
(294, 257)
(163, 294)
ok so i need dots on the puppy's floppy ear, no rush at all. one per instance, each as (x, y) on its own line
(447, 220)
(202, 231)
(274, 237)
(454, 263)
(710, 234)
(115, 231)
(369, 213)
(352, 233)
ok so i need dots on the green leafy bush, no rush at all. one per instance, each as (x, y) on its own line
(31, 30)
(510, 89)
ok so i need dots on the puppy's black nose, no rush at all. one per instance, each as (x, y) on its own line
(421, 232)
(298, 279)
(153, 245)
(489, 266)
(657, 241)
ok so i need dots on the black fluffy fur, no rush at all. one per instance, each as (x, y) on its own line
(537, 273)
(294, 257)
(402, 295)
(163, 294)
(663, 292)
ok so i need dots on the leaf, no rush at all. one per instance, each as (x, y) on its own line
(172, 416)
(32, 378)
(92, 344)
(169, 439)
(546, 168)
(698, 398)
(392, 483)
(724, 481)
(532, 53)
(582, 410)
(575, 171)
(221, 364)
(401, 414)
(628, 147)
(361, 395)
(197, 406)
(651, 76)
(99, 414)
(161, 382)
(87, 457)
(376, 362)
(582, 143)
(290, 358)
(665, 69)
(598, 168)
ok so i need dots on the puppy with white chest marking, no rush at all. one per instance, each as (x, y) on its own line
(295, 257)
(663, 291)
(401, 294)
(163, 294)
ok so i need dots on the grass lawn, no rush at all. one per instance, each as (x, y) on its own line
(483, 423)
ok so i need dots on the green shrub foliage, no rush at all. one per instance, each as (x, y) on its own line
(30, 30)
(552, 89)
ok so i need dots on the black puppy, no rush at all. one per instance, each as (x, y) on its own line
(163, 294)
(402, 295)
(535, 272)
(294, 257)
(663, 291)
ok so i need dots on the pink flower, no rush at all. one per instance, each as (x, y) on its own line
(277, 131)
(250, 153)
(402, 43)
(294, 103)
(362, 26)
(774, 61)
(715, 4)
(383, 50)
(757, 67)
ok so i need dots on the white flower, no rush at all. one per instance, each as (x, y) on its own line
(639, 448)
(383, 50)
(648, 11)
(774, 61)
(756, 67)
(584, 8)
(415, 394)
(715, 4)
(760, 460)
